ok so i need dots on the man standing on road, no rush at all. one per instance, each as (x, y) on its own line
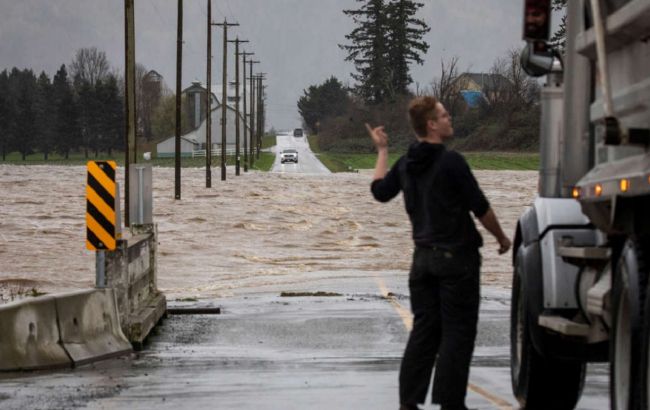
(439, 193)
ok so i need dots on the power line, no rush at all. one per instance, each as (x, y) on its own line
(232, 15)
(155, 6)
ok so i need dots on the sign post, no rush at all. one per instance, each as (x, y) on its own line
(101, 230)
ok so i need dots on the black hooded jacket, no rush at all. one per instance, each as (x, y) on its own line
(439, 192)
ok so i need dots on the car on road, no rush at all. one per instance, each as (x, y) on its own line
(289, 155)
(298, 132)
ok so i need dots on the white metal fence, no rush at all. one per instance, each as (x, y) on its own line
(216, 152)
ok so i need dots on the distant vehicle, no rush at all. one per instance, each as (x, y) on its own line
(297, 132)
(289, 155)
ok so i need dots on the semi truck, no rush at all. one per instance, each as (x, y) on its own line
(581, 251)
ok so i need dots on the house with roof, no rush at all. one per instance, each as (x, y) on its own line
(478, 87)
(196, 139)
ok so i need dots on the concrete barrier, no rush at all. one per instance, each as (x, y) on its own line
(90, 325)
(131, 271)
(80, 327)
(29, 336)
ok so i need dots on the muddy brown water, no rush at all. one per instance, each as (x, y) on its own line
(242, 236)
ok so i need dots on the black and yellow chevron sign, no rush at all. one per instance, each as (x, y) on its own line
(100, 206)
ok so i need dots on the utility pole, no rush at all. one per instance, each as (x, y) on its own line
(260, 108)
(252, 110)
(129, 79)
(244, 54)
(208, 105)
(179, 74)
(224, 96)
(237, 42)
(262, 111)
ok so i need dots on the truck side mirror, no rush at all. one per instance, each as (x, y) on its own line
(536, 63)
(537, 20)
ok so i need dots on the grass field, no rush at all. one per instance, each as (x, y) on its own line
(477, 160)
(268, 141)
(265, 162)
(186, 162)
(333, 161)
(521, 161)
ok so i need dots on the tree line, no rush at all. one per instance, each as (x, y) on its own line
(504, 116)
(68, 113)
(80, 109)
(387, 40)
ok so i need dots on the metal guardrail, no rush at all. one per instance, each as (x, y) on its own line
(200, 153)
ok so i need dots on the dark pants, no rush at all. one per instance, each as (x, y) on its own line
(445, 303)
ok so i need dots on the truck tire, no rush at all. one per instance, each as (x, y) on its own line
(645, 361)
(627, 346)
(538, 382)
(642, 253)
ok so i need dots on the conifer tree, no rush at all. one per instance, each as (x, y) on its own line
(66, 122)
(44, 116)
(387, 39)
(25, 127)
(405, 33)
(112, 124)
(6, 115)
(369, 50)
(88, 112)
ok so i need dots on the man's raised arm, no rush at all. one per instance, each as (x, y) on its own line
(380, 139)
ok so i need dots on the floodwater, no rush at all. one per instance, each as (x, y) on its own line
(245, 235)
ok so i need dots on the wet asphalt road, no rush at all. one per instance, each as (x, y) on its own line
(266, 351)
(307, 161)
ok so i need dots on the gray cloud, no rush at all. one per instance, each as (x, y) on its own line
(296, 40)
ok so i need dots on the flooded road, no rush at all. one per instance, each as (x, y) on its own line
(249, 234)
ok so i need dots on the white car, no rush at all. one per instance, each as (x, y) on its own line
(289, 155)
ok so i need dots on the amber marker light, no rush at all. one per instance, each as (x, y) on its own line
(575, 192)
(598, 190)
(624, 184)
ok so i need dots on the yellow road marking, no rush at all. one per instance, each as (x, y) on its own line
(407, 319)
(404, 313)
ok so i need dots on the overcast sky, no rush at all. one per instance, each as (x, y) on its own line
(296, 40)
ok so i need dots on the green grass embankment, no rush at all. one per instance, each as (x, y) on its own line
(336, 162)
(79, 159)
(265, 162)
(269, 141)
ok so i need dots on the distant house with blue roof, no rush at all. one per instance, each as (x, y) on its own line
(478, 87)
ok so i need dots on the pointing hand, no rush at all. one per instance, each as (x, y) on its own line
(378, 135)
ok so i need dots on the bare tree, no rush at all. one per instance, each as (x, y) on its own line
(507, 87)
(141, 107)
(446, 88)
(89, 65)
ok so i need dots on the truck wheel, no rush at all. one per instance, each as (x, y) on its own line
(626, 348)
(644, 250)
(538, 382)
